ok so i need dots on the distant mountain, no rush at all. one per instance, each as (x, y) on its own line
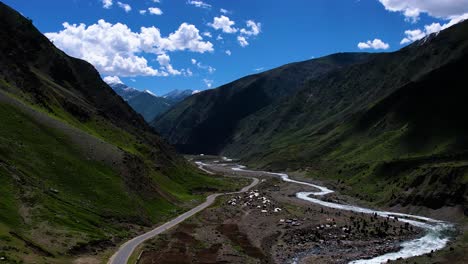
(149, 106)
(391, 127)
(125, 91)
(179, 95)
(80, 170)
(146, 103)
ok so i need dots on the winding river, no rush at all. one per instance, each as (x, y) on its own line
(436, 237)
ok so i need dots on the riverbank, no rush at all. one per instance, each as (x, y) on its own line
(270, 225)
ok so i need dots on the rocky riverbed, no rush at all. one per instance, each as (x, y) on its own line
(270, 225)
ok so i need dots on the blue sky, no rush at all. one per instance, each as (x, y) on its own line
(196, 55)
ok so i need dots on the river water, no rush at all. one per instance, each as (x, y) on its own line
(436, 237)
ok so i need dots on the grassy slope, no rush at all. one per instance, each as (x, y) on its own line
(94, 201)
(409, 148)
(79, 169)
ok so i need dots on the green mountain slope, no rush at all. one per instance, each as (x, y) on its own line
(205, 122)
(335, 125)
(79, 169)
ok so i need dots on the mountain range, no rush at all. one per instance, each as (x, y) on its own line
(390, 126)
(147, 103)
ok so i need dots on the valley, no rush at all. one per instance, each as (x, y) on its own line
(276, 223)
(126, 143)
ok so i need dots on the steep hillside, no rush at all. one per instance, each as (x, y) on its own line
(149, 106)
(341, 125)
(207, 121)
(79, 169)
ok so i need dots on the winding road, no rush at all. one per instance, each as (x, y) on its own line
(126, 250)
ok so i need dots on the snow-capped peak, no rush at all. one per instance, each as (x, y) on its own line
(149, 92)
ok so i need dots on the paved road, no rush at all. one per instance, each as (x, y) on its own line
(125, 251)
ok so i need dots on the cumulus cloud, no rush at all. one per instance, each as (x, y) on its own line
(223, 23)
(155, 11)
(207, 34)
(242, 41)
(112, 79)
(200, 4)
(124, 6)
(165, 61)
(208, 83)
(228, 52)
(254, 30)
(374, 44)
(417, 34)
(142, 12)
(224, 11)
(107, 4)
(412, 9)
(114, 49)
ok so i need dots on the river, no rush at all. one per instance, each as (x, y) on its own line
(436, 236)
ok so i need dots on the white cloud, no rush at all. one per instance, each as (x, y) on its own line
(207, 34)
(242, 41)
(228, 52)
(200, 4)
(208, 83)
(223, 23)
(142, 12)
(156, 1)
(224, 11)
(219, 37)
(107, 4)
(114, 49)
(165, 62)
(201, 66)
(259, 69)
(187, 37)
(124, 6)
(417, 34)
(412, 9)
(155, 11)
(112, 79)
(374, 44)
(255, 28)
